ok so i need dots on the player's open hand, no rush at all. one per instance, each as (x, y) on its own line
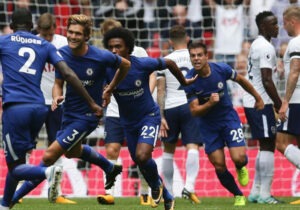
(107, 92)
(191, 80)
(56, 101)
(98, 111)
(259, 104)
(282, 111)
(163, 132)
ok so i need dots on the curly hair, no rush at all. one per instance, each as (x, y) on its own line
(121, 33)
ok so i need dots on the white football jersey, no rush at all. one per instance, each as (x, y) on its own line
(48, 76)
(230, 25)
(261, 55)
(112, 108)
(174, 96)
(292, 51)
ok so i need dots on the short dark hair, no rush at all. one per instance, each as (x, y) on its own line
(21, 16)
(46, 21)
(197, 44)
(121, 33)
(177, 32)
(261, 16)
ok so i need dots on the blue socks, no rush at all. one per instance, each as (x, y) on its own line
(9, 189)
(150, 173)
(228, 182)
(28, 172)
(21, 172)
(26, 188)
(90, 155)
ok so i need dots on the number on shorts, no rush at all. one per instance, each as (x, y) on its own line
(148, 131)
(237, 135)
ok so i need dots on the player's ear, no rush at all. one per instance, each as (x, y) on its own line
(11, 26)
(188, 39)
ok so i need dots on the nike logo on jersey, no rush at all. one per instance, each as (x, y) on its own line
(199, 92)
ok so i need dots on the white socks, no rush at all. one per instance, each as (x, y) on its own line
(292, 153)
(168, 170)
(192, 169)
(255, 190)
(266, 164)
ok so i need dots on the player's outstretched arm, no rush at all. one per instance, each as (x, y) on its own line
(290, 87)
(118, 77)
(152, 81)
(270, 87)
(292, 78)
(161, 95)
(259, 104)
(57, 93)
(69, 76)
(171, 65)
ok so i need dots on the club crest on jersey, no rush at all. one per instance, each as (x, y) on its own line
(89, 71)
(220, 85)
(138, 83)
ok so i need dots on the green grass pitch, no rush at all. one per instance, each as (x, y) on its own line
(133, 204)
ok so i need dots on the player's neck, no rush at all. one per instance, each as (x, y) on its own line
(22, 29)
(180, 47)
(297, 31)
(205, 71)
(80, 51)
(266, 37)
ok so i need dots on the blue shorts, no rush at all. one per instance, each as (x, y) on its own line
(292, 125)
(146, 131)
(113, 131)
(74, 131)
(21, 125)
(219, 134)
(180, 120)
(53, 122)
(262, 122)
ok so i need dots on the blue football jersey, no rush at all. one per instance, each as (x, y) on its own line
(91, 70)
(23, 57)
(202, 88)
(133, 94)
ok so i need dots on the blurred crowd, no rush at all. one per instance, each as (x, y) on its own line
(222, 24)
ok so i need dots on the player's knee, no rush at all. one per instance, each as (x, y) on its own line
(220, 169)
(48, 159)
(141, 159)
(267, 144)
(112, 153)
(73, 153)
(280, 147)
(69, 155)
(239, 159)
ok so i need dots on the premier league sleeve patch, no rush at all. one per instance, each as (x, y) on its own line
(268, 56)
